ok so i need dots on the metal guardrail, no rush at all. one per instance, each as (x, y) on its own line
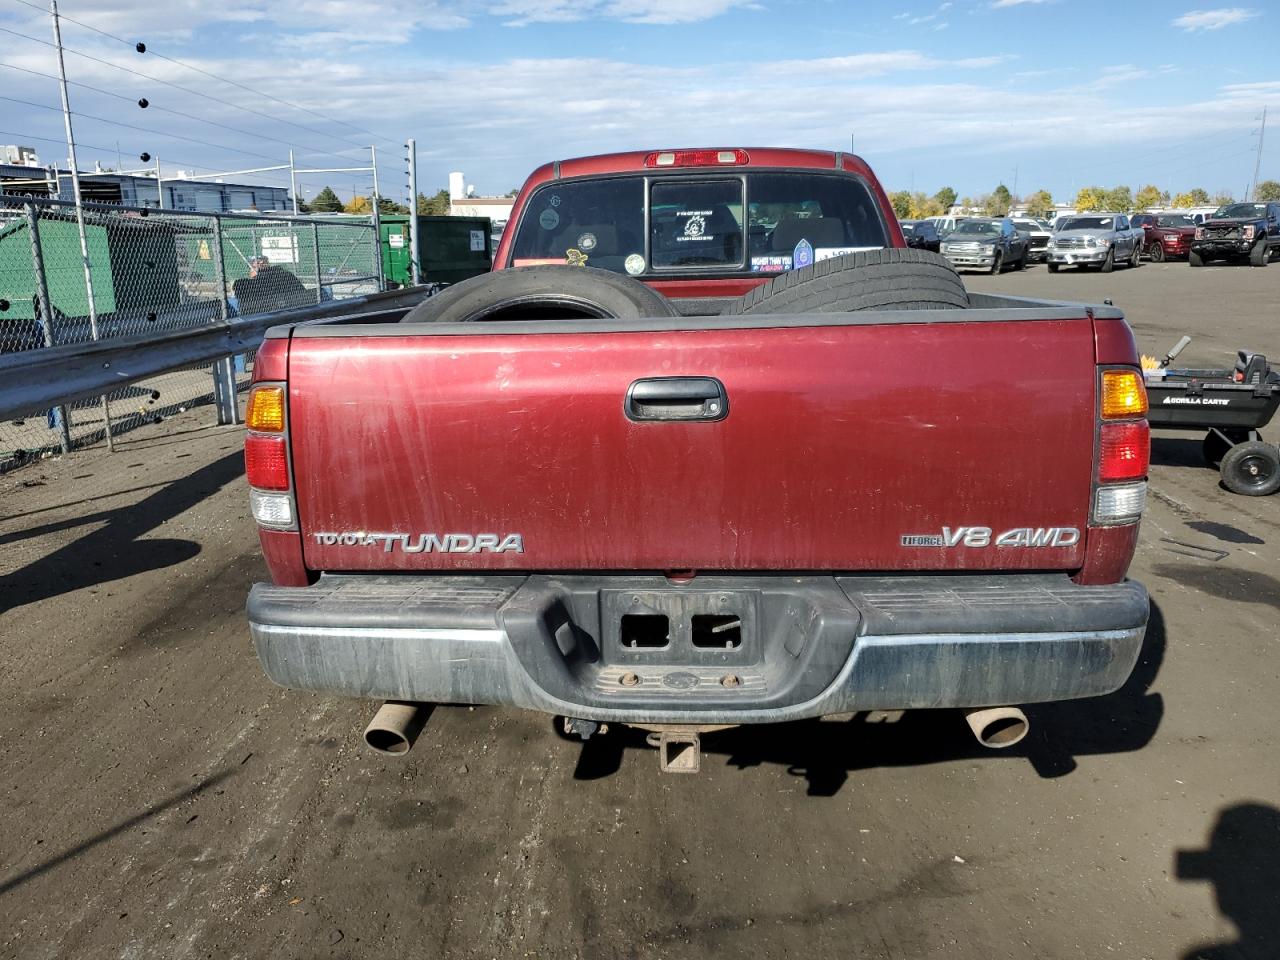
(35, 379)
(143, 288)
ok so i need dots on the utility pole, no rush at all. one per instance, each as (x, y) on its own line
(1257, 163)
(414, 270)
(293, 183)
(75, 186)
(159, 184)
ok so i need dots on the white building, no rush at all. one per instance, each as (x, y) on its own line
(464, 203)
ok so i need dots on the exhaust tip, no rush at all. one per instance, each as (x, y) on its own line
(386, 741)
(997, 728)
(395, 727)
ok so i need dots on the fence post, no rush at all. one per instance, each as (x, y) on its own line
(315, 247)
(44, 312)
(224, 371)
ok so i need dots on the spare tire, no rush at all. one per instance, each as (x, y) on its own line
(543, 293)
(890, 279)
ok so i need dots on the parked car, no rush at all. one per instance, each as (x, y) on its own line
(652, 493)
(1095, 240)
(946, 224)
(1038, 235)
(987, 244)
(1165, 235)
(1238, 231)
(921, 234)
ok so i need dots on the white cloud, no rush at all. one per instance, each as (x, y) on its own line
(997, 4)
(518, 13)
(1213, 19)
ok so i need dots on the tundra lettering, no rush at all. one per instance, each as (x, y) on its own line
(426, 542)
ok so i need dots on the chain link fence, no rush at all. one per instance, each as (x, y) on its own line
(150, 272)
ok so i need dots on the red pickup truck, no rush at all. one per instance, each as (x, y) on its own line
(709, 447)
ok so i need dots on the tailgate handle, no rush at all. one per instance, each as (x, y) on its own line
(677, 398)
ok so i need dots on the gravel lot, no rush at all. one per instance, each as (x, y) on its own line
(161, 799)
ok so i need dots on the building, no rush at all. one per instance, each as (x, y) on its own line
(464, 203)
(22, 175)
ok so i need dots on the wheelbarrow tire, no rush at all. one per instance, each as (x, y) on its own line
(1252, 469)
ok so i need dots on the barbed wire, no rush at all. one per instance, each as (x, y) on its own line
(164, 109)
(189, 90)
(142, 48)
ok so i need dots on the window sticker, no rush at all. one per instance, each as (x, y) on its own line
(635, 264)
(549, 219)
(802, 255)
(826, 253)
(695, 227)
(575, 257)
(555, 200)
(587, 242)
(772, 264)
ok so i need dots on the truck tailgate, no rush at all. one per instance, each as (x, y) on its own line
(845, 447)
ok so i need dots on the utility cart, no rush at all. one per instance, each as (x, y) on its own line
(1231, 406)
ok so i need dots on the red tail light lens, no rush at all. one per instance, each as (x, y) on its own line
(697, 158)
(266, 465)
(1124, 451)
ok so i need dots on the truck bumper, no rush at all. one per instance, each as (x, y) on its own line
(971, 261)
(801, 647)
(1215, 249)
(1097, 255)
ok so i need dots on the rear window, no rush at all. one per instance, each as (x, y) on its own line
(761, 222)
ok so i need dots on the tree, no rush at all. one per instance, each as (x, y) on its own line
(1091, 198)
(924, 206)
(303, 206)
(946, 198)
(358, 205)
(1150, 196)
(1222, 197)
(326, 201)
(1118, 199)
(434, 206)
(513, 192)
(1267, 190)
(1195, 197)
(1040, 204)
(998, 202)
(386, 206)
(901, 201)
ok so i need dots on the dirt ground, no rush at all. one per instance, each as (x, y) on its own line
(161, 799)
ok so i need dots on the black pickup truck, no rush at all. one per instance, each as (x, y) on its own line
(1238, 231)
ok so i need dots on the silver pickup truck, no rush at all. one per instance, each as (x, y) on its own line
(1095, 240)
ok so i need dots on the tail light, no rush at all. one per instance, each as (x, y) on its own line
(266, 463)
(1124, 395)
(1124, 448)
(697, 158)
(266, 458)
(1124, 451)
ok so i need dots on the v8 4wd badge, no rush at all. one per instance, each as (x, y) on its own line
(984, 537)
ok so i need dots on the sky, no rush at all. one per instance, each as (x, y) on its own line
(1053, 94)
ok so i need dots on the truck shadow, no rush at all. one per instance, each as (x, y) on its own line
(1179, 451)
(118, 548)
(824, 752)
(1242, 861)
